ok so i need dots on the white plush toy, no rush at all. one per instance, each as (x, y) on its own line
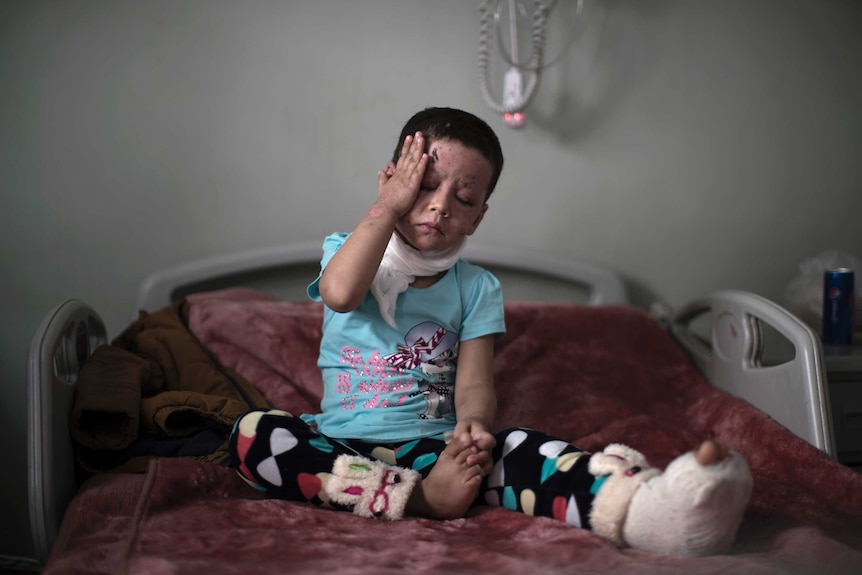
(694, 507)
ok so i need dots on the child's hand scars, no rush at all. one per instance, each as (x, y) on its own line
(397, 188)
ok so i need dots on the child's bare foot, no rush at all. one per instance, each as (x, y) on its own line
(450, 488)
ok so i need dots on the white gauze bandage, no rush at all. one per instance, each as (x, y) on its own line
(401, 265)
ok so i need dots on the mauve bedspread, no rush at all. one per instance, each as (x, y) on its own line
(588, 375)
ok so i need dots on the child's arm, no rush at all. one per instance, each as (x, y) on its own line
(475, 399)
(348, 276)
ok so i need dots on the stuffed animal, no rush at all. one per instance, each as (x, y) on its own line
(694, 507)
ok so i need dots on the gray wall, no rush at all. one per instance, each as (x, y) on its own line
(691, 145)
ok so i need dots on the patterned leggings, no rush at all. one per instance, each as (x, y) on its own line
(533, 472)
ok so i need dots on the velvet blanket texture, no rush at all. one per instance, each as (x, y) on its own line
(591, 376)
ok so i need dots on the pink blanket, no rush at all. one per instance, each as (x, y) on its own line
(588, 375)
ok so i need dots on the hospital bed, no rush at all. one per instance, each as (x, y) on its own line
(577, 361)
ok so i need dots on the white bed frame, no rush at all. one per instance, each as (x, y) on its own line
(729, 355)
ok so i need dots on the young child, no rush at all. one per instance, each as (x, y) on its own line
(402, 310)
(401, 430)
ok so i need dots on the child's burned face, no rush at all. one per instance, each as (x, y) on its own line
(451, 200)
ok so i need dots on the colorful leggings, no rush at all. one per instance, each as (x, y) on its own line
(533, 472)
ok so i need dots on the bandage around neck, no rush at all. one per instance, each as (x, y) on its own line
(400, 267)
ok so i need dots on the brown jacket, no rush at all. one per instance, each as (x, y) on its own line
(155, 391)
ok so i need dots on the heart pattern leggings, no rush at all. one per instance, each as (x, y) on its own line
(533, 472)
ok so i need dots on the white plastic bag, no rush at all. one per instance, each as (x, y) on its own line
(805, 293)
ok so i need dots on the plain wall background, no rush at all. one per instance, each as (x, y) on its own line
(691, 145)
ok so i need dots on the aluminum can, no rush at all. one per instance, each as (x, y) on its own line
(838, 303)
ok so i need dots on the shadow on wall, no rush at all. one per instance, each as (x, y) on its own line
(598, 62)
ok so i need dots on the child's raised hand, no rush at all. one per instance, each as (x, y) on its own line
(398, 185)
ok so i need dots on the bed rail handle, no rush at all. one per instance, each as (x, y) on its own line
(794, 393)
(67, 336)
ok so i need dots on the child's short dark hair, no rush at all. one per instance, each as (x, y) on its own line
(459, 126)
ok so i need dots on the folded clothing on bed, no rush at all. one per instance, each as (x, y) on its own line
(106, 411)
(155, 391)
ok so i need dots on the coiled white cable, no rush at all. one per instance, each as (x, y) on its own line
(541, 12)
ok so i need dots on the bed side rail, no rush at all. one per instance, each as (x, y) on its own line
(67, 336)
(603, 285)
(794, 392)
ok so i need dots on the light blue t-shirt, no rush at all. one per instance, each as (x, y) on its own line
(382, 384)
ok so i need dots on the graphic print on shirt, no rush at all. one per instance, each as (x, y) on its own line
(432, 349)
